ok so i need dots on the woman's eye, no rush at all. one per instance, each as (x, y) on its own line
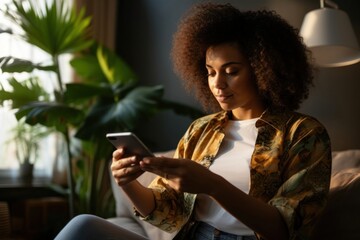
(232, 72)
(210, 74)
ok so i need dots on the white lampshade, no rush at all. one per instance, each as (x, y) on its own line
(329, 35)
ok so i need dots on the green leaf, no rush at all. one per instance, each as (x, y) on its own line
(26, 139)
(12, 65)
(23, 92)
(88, 68)
(82, 91)
(181, 109)
(114, 68)
(51, 114)
(5, 30)
(139, 104)
(54, 29)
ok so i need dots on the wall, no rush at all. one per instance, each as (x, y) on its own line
(144, 36)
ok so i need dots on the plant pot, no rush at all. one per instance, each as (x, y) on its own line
(26, 171)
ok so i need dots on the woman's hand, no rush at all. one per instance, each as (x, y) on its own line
(182, 174)
(125, 169)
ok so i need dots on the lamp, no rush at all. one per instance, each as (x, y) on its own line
(329, 35)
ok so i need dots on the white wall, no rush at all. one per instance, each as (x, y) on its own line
(145, 29)
(335, 99)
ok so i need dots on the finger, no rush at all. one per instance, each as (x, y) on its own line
(159, 172)
(124, 162)
(164, 172)
(161, 166)
(161, 162)
(126, 171)
(121, 181)
(117, 154)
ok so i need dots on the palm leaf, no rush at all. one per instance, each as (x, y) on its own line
(23, 92)
(5, 30)
(54, 29)
(17, 65)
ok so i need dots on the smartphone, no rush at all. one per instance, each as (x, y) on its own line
(131, 143)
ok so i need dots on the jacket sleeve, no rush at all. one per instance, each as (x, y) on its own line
(173, 208)
(306, 172)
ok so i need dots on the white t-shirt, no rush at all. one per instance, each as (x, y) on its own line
(233, 163)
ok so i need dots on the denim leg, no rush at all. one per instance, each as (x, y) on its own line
(90, 227)
(249, 238)
(204, 231)
(229, 236)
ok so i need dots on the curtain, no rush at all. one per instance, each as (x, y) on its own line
(103, 23)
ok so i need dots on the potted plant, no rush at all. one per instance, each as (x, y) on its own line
(56, 30)
(26, 140)
(108, 97)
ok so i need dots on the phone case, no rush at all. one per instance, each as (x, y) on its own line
(131, 143)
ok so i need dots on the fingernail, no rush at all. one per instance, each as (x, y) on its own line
(146, 160)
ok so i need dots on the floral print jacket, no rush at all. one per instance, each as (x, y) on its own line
(290, 169)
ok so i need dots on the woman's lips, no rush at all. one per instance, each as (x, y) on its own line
(222, 97)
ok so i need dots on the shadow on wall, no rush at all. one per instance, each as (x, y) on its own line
(144, 41)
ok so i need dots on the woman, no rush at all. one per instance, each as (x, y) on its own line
(255, 167)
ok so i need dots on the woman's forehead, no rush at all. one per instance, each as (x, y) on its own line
(230, 51)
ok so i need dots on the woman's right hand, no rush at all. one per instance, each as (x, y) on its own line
(125, 169)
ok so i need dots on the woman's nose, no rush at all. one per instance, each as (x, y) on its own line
(220, 81)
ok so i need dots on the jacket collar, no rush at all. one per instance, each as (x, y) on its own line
(276, 118)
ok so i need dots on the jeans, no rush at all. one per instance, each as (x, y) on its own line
(204, 231)
(90, 227)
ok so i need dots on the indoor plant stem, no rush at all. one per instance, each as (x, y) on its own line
(69, 174)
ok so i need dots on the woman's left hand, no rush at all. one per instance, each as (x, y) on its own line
(182, 174)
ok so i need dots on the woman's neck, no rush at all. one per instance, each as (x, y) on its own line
(244, 113)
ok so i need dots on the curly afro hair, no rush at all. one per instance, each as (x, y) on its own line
(279, 61)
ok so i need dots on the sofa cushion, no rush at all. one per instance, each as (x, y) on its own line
(341, 217)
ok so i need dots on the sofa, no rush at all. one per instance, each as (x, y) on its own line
(340, 219)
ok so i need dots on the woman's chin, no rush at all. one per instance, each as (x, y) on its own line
(225, 107)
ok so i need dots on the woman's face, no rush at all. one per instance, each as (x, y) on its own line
(230, 80)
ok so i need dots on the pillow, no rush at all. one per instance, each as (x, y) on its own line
(341, 217)
(345, 160)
